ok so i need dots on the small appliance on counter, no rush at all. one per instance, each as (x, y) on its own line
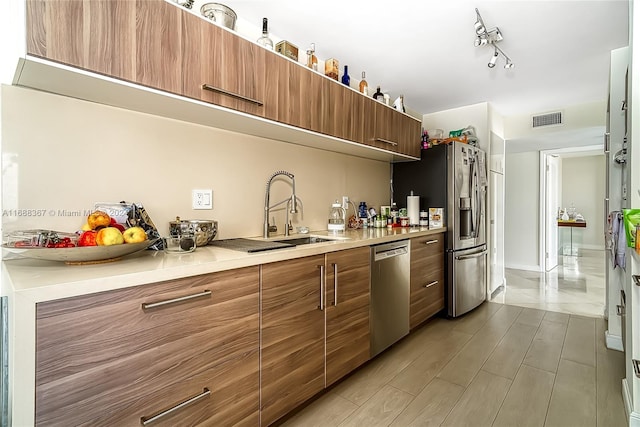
(336, 218)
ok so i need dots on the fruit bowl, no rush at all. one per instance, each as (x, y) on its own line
(81, 254)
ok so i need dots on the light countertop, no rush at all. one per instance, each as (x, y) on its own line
(39, 280)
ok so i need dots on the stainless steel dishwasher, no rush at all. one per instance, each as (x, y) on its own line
(389, 294)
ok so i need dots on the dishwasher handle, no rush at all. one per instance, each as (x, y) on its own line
(383, 254)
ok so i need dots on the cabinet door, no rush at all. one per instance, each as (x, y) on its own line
(110, 359)
(427, 278)
(292, 349)
(409, 135)
(348, 296)
(221, 67)
(139, 41)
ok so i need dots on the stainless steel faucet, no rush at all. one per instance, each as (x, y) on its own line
(291, 204)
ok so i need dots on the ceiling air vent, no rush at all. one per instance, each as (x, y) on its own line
(549, 119)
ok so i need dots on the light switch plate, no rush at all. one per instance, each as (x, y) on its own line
(202, 199)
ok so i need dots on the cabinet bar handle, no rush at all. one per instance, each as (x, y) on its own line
(435, 282)
(148, 420)
(386, 141)
(620, 310)
(335, 284)
(431, 242)
(636, 279)
(321, 287)
(148, 305)
(636, 367)
(231, 94)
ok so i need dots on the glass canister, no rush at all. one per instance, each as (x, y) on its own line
(336, 217)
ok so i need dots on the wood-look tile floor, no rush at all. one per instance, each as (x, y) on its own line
(499, 365)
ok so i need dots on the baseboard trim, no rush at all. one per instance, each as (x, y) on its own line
(497, 291)
(523, 267)
(614, 342)
(634, 417)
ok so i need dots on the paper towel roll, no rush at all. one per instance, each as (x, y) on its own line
(413, 209)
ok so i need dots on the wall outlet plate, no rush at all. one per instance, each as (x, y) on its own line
(202, 199)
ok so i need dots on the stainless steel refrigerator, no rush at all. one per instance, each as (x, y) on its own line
(453, 177)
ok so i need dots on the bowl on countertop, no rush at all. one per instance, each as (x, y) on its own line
(204, 230)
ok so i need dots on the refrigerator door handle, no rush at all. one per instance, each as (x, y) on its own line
(475, 255)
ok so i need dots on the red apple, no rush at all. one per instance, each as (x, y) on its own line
(88, 238)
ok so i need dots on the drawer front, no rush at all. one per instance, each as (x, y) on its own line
(427, 296)
(425, 247)
(105, 360)
(427, 278)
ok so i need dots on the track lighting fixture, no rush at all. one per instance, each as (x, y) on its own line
(490, 37)
(493, 60)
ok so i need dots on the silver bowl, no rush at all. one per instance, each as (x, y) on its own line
(204, 230)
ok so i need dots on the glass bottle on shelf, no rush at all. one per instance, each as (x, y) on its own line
(346, 80)
(364, 86)
(378, 95)
(265, 40)
(312, 60)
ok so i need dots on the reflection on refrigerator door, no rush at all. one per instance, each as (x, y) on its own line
(467, 280)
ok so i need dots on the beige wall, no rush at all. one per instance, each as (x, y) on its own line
(583, 186)
(63, 154)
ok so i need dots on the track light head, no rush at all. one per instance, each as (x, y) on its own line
(508, 65)
(493, 60)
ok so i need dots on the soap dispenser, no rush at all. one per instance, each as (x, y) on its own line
(336, 217)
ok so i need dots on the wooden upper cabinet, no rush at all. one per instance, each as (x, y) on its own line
(112, 358)
(348, 297)
(409, 135)
(292, 348)
(138, 41)
(293, 94)
(389, 129)
(222, 68)
(159, 45)
(98, 36)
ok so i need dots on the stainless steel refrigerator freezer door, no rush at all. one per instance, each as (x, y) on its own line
(467, 280)
(466, 204)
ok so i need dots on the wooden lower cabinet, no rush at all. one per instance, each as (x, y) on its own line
(427, 278)
(124, 356)
(292, 347)
(310, 339)
(348, 296)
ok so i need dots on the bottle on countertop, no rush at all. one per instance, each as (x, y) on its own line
(346, 79)
(265, 40)
(378, 95)
(364, 86)
(312, 60)
(362, 214)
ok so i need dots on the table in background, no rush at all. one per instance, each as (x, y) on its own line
(570, 226)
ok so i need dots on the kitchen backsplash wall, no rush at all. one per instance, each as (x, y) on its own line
(61, 155)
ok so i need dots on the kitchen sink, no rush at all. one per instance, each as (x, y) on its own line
(304, 240)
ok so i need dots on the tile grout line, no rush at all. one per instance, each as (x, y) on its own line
(555, 375)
